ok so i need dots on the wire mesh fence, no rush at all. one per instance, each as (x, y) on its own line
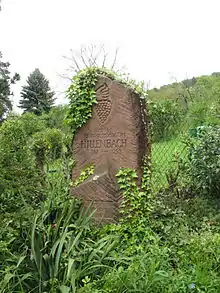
(164, 154)
(170, 148)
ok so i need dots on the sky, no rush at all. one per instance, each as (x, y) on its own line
(158, 40)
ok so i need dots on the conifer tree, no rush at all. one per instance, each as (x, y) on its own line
(37, 96)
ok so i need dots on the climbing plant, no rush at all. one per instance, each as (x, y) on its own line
(82, 96)
(84, 174)
(135, 210)
(136, 199)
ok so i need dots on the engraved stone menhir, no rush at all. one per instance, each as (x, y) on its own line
(116, 136)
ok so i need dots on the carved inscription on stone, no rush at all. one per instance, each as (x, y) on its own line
(101, 142)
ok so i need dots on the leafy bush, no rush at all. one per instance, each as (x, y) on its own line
(166, 116)
(31, 123)
(56, 118)
(203, 111)
(26, 145)
(18, 177)
(47, 145)
(204, 161)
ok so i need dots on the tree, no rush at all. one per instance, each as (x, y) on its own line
(37, 95)
(5, 83)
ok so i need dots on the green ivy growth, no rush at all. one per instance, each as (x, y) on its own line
(146, 176)
(136, 210)
(82, 96)
(135, 204)
(84, 174)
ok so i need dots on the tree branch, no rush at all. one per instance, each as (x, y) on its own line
(115, 59)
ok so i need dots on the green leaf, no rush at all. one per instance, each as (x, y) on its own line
(64, 289)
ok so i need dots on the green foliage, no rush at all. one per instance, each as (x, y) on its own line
(60, 251)
(82, 96)
(166, 117)
(37, 96)
(135, 210)
(5, 91)
(17, 163)
(178, 92)
(134, 200)
(146, 273)
(205, 107)
(197, 104)
(204, 161)
(164, 242)
(183, 258)
(31, 123)
(47, 145)
(56, 118)
(180, 106)
(84, 174)
(69, 257)
(26, 144)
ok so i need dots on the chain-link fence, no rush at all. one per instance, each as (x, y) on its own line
(170, 148)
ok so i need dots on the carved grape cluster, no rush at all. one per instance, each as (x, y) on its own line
(103, 108)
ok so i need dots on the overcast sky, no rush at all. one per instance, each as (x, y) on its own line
(158, 39)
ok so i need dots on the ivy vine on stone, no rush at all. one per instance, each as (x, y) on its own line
(82, 95)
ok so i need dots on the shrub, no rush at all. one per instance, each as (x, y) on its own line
(18, 177)
(204, 160)
(47, 145)
(56, 118)
(166, 116)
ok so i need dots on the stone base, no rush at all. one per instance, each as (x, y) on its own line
(102, 192)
